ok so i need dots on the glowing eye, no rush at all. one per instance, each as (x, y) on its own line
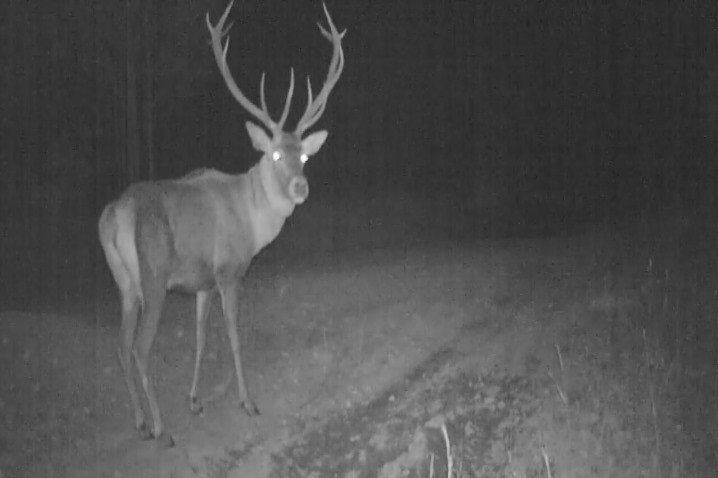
(276, 155)
(304, 158)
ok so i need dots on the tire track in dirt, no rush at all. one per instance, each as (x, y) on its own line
(329, 341)
(398, 433)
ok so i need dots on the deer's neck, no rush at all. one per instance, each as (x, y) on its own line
(269, 208)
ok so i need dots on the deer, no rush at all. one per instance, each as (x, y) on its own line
(199, 233)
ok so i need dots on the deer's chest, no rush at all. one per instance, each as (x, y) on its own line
(265, 227)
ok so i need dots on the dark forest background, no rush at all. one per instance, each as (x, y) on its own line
(453, 120)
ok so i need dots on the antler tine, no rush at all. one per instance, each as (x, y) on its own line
(328, 35)
(217, 33)
(309, 93)
(315, 108)
(288, 101)
(262, 100)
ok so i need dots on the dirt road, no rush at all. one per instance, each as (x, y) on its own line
(355, 362)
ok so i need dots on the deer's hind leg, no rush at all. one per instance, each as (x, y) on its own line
(131, 304)
(130, 312)
(154, 293)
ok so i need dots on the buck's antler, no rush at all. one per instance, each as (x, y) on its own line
(315, 107)
(217, 33)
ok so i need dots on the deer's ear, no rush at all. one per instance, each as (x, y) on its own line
(260, 140)
(312, 143)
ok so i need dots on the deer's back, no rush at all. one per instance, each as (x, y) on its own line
(187, 231)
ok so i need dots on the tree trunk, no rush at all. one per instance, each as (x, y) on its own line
(148, 115)
(132, 146)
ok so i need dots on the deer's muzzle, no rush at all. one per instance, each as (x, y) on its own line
(298, 189)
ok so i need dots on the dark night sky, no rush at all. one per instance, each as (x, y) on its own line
(453, 119)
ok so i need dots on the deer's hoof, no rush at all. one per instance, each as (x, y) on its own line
(249, 407)
(144, 431)
(165, 440)
(195, 406)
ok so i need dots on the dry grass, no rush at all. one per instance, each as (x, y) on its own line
(588, 356)
(627, 382)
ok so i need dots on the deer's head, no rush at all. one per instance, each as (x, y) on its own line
(283, 153)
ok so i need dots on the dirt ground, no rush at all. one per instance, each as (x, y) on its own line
(521, 358)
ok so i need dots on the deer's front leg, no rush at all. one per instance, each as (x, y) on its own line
(203, 302)
(230, 306)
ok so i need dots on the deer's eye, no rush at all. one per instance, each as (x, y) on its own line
(304, 158)
(276, 155)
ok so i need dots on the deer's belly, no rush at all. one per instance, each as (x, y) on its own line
(191, 279)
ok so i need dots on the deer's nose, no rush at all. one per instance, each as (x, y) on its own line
(299, 189)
